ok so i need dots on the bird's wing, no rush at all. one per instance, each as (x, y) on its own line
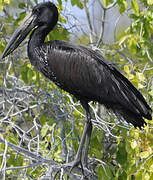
(86, 74)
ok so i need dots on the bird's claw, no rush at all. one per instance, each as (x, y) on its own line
(75, 163)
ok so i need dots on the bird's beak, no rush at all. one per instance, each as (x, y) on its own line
(20, 34)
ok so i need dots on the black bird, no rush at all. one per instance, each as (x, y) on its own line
(80, 71)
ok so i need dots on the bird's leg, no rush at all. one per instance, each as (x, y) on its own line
(89, 131)
(85, 130)
(87, 142)
(79, 152)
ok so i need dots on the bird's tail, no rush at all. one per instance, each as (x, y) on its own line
(131, 105)
(135, 119)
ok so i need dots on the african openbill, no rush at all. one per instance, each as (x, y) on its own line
(78, 70)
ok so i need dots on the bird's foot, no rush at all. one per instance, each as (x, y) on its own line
(85, 165)
(75, 163)
(80, 167)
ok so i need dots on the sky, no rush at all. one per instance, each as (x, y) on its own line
(77, 21)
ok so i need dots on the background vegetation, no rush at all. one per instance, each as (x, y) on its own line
(41, 125)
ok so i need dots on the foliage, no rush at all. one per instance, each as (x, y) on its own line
(3, 2)
(133, 51)
(38, 117)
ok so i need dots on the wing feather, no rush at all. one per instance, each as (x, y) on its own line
(88, 75)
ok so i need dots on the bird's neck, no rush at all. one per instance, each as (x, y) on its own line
(37, 38)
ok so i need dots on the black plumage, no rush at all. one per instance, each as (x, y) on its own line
(79, 70)
(89, 77)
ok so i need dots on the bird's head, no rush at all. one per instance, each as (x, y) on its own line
(44, 14)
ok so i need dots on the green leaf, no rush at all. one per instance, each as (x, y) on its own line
(59, 2)
(133, 144)
(144, 154)
(2, 46)
(122, 5)
(121, 154)
(43, 120)
(150, 2)
(44, 130)
(23, 71)
(135, 6)
(105, 172)
(30, 74)
(52, 127)
(107, 2)
(1, 5)
(123, 39)
(122, 176)
(22, 5)
(134, 16)
(73, 2)
(78, 3)
(138, 175)
(126, 69)
(36, 1)
(2, 2)
(6, 1)
(13, 162)
(59, 33)
(51, 122)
